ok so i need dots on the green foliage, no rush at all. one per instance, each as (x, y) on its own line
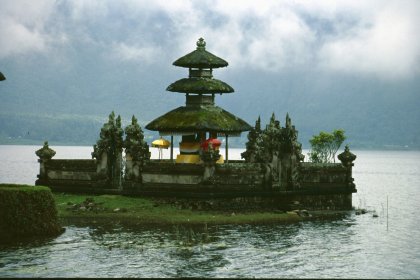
(325, 146)
(134, 142)
(27, 211)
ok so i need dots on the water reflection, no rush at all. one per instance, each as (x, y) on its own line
(349, 246)
(305, 249)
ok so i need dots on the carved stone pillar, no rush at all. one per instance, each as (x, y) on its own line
(285, 169)
(132, 168)
(347, 159)
(129, 173)
(102, 165)
(45, 154)
(117, 174)
(276, 169)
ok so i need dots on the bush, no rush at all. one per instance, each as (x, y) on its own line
(325, 145)
(27, 211)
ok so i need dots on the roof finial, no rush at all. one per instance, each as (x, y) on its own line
(201, 44)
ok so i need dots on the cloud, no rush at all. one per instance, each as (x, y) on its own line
(24, 27)
(387, 45)
(19, 39)
(122, 51)
(378, 38)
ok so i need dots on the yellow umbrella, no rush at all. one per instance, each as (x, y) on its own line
(161, 144)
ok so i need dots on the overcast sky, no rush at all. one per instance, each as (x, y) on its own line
(377, 38)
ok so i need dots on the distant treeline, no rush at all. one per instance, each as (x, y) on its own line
(84, 130)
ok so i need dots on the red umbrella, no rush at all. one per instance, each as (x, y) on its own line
(213, 141)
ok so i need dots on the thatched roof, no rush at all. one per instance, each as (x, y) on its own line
(200, 85)
(200, 58)
(193, 119)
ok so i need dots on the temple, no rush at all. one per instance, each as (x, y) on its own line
(199, 122)
(271, 175)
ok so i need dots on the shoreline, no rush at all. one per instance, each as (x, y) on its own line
(384, 148)
(118, 209)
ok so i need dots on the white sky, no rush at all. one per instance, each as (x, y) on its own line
(379, 38)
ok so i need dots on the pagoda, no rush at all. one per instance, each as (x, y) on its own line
(200, 121)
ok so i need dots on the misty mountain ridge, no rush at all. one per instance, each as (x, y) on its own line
(68, 103)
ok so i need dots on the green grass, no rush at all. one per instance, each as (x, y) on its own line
(146, 211)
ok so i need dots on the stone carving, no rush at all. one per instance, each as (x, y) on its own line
(292, 151)
(45, 153)
(253, 145)
(136, 150)
(278, 149)
(108, 149)
(347, 159)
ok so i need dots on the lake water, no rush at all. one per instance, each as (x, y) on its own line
(354, 246)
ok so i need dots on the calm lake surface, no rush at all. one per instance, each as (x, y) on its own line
(354, 246)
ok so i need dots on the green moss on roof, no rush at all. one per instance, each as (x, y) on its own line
(200, 58)
(200, 85)
(199, 118)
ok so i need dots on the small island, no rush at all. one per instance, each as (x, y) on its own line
(271, 176)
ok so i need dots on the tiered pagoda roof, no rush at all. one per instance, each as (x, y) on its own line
(200, 114)
(200, 58)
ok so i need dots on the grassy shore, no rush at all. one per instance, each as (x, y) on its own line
(136, 210)
(147, 211)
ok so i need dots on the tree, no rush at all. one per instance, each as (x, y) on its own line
(325, 146)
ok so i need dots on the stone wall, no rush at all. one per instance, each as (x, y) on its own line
(239, 175)
(233, 185)
(324, 177)
(72, 175)
(76, 169)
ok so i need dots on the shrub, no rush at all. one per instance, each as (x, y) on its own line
(27, 211)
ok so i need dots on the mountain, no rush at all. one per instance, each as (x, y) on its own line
(67, 100)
